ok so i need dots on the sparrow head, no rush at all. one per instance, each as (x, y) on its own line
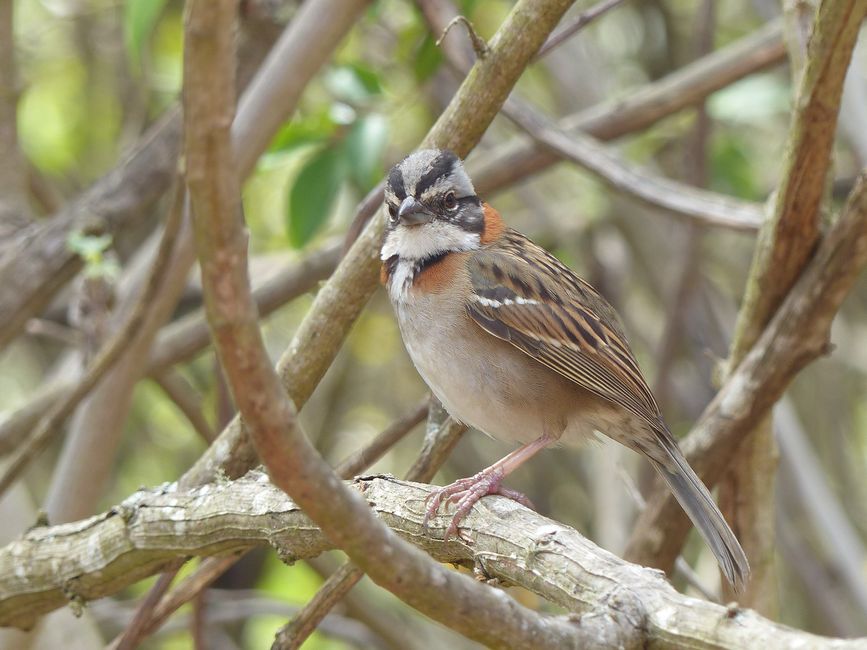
(432, 207)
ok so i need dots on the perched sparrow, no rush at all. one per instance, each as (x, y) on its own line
(513, 343)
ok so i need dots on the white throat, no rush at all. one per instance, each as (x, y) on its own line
(413, 244)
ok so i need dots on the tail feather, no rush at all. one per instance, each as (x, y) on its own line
(699, 505)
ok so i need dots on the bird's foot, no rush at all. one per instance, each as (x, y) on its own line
(465, 492)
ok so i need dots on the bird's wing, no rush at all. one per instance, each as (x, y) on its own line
(524, 295)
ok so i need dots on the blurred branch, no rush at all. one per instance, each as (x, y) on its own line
(226, 606)
(14, 208)
(682, 200)
(504, 540)
(36, 263)
(376, 448)
(796, 335)
(182, 340)
(577, 24)
(188, 401)
(108, 355)
(844, 549)
(523, 157)
(709, 208)
(643, 107)
(786, 243)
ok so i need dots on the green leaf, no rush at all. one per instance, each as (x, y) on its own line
(312, 195)
(428, 58)
(298, 132)
(139, 19)
(365, 145)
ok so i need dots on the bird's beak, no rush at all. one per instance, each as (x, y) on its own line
(413, 213)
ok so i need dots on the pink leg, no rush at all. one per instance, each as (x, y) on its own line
(466, 492)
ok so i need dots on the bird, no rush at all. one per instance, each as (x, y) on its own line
(513, 343)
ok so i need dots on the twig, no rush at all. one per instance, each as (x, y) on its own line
(578, 23)
(480, 47)
(708, 208)
(108, 355)
(376, 448)
(184, 396)
(136, 628)
(54, 331)
(308, 618)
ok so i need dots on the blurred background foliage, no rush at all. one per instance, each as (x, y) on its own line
(95, 73)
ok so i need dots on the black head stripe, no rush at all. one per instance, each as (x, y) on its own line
(441, 166)
(469, 220)
(395, 182)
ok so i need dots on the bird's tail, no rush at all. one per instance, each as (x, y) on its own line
(697, 502)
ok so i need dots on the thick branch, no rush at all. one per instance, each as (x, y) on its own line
(797, 334)
(793, 228)
(504, 541)
(785, 245)
(292, 462)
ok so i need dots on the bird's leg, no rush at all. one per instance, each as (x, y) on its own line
(466, 492)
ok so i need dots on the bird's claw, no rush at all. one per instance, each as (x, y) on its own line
(465, 493)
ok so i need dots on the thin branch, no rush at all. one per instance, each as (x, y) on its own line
(108, 355)
(576, 25)
(612, 599)
(707, 208)
(309, 617)
(188, 401)
(376, 448)
(135, 629)
(188, 589)
(639, 109)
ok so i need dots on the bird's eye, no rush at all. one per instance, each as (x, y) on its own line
(392, 211)
(450, 201)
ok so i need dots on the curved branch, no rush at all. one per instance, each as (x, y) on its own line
(503, 540)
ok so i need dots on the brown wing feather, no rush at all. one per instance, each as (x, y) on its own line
(524, 295)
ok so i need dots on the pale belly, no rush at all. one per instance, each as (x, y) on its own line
(485, 382)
